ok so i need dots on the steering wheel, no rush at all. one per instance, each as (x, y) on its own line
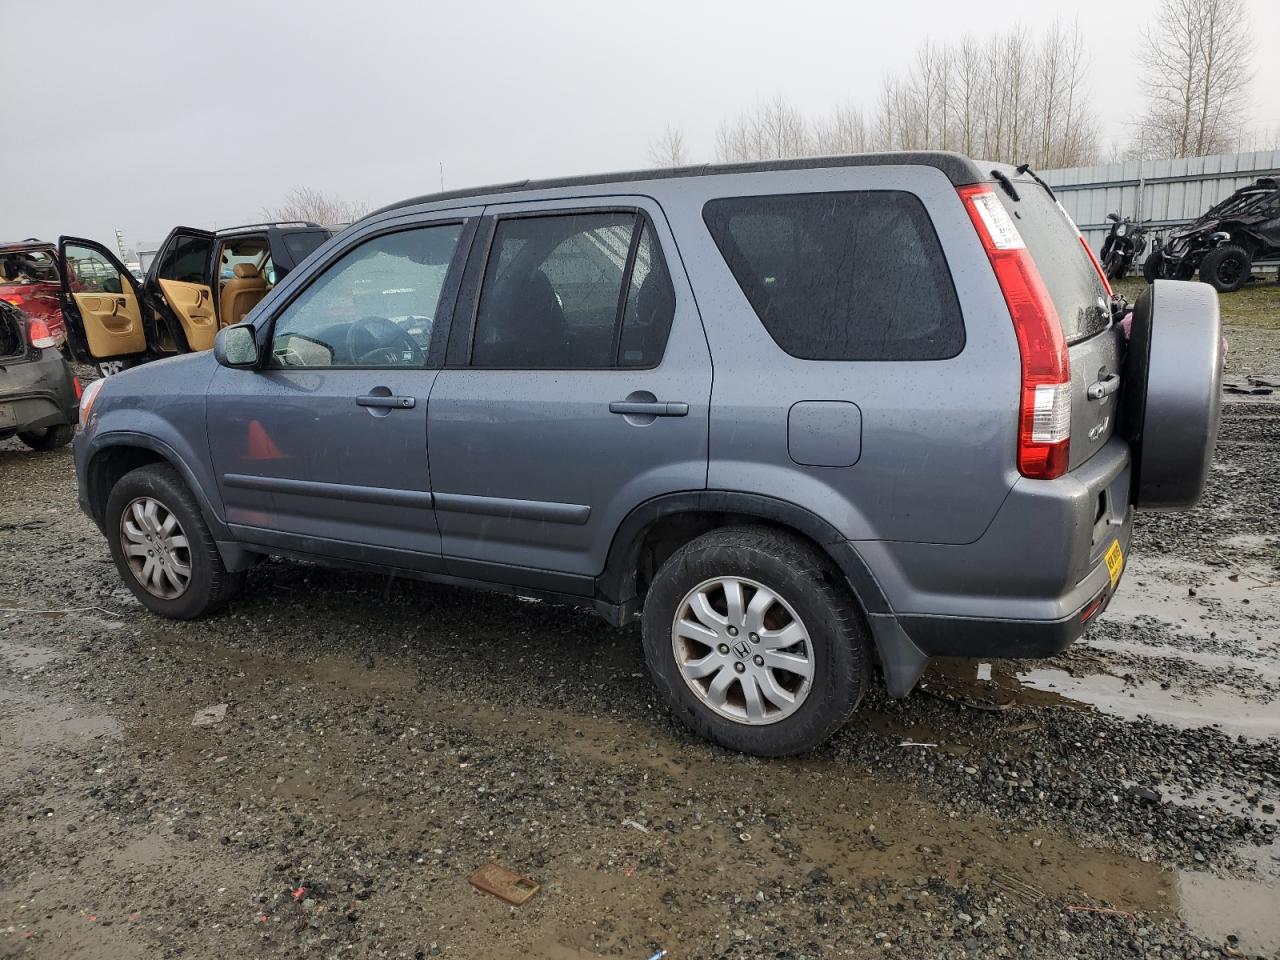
(376, 341)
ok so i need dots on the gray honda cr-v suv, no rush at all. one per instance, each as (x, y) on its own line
(794, 416)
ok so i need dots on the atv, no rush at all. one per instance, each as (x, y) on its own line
(1224, 242)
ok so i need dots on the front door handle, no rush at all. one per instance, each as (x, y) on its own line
(655, 408)
(394, 403)
(1104, 387)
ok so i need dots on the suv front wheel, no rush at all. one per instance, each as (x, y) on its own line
(163, 548)
(754, 642)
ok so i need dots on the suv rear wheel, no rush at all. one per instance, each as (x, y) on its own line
(753, 644)
(162, 547)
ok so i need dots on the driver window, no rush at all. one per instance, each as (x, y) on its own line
(374, 307)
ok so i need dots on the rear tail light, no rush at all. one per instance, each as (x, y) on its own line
(1044, 431)
(39, 336)
(75, 382)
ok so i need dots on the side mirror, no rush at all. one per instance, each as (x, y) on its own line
(1114, 216)
(236, 346)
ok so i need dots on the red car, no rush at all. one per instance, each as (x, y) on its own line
(29, 280)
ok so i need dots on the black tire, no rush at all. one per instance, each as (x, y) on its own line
(1226, 268)
(48, 438)
(1153, 267)
(798, 574)
(1113, 265)
(211, 585)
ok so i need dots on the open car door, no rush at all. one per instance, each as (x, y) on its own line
(101, 304)
(180, 277)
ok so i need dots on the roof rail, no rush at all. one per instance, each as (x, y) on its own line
(959, 169)
(271, 223)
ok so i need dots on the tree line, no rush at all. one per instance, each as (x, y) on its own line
(1023, 98)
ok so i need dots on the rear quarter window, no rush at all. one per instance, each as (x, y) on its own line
(842, 276)
(300, 245)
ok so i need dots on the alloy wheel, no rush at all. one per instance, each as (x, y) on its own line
(743, 650)
(156, 548)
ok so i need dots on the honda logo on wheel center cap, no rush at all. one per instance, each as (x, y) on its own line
(741, 649)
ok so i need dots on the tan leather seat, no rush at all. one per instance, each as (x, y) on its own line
(241, 293)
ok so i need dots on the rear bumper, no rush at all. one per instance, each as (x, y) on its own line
(40, 392)
(1004, 638)
(1021, 588)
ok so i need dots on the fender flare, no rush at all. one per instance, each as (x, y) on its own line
(126, 438)
(903, 662)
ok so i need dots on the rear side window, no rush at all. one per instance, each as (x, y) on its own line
(186, 259)
(573, 292)
(1065, 266)
(842, 276)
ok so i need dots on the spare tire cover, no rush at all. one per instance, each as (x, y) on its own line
(1172, 396)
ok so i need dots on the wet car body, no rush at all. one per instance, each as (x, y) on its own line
(512, 388)
(39, 394)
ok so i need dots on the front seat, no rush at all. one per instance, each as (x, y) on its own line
(241, 293)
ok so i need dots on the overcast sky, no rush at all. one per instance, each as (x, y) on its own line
(140, 116)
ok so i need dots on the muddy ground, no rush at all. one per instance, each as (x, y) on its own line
(383, 739)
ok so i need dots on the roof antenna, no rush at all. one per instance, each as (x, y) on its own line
(442, 176)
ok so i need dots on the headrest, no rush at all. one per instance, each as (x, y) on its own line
(245, 270)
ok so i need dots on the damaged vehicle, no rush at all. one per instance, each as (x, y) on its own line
(199, 282)
(39, 395)
(926, 434)
(1223, 244)
(29, 280)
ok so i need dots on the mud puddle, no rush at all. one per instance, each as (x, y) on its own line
(1241, 912)
(634, 836)
(1235, 600)
(1212, 707)
(1001, 686)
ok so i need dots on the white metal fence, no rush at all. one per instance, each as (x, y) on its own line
(1165, 193)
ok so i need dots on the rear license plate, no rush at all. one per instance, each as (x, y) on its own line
(1115, 562)
(8, 419)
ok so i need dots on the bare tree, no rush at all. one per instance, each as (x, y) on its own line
(1198, 56)
(1015, 97)
(844, 131)
(668, 150)
(305, 203)
(773, 131)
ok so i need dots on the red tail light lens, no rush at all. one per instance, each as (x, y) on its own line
(39, 336)
(1044, 434)
(75, 382)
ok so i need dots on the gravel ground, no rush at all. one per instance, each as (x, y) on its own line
(384, 738)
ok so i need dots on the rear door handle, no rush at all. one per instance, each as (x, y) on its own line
(395, 403)
(1104, 387)
(656, 408)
